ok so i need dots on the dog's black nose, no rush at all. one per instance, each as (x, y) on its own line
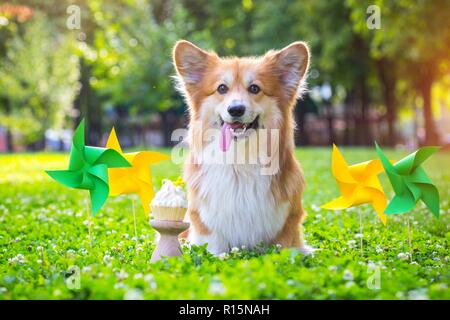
(236, 110)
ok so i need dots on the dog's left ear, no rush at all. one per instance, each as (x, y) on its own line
(291, 64)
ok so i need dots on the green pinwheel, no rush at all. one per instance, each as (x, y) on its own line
(410, 182)
(88, 169)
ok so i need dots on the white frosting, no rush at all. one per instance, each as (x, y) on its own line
(170, 196)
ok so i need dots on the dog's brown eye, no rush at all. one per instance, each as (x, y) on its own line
(254, 89)
(222, 89)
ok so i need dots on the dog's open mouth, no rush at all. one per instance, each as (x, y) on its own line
(235, 130)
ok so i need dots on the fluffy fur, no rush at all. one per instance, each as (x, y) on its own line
(233, 204)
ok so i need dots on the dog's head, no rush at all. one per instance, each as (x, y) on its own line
(241, 93)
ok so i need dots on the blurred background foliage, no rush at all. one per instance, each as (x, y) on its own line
(390, 84)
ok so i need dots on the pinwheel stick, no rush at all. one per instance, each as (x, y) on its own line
(134, 217)
(88, 209)
(409, 239)
(361, 232)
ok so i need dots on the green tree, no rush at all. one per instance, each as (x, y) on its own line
(415, 37)
(38, 80)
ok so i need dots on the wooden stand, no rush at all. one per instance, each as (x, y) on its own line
(168, 244)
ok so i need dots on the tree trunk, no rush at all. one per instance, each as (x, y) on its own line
(364, 135)
(9, 141)
(388, 79)
(89, 107)
(348, 112)
(330, 122)
(168, 120)
(431, 135)
(301, 136)
(9, 137)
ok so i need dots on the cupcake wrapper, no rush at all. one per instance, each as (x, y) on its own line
(168, 213)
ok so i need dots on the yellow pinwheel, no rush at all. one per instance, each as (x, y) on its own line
(358, 184)
(137, 178)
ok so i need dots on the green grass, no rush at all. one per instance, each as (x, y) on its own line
(43, 232)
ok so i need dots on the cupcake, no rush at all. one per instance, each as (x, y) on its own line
(169, 202)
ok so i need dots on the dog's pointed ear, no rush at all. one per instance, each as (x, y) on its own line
(190, 61)
(291, 64)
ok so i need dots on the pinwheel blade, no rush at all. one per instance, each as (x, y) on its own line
(410, 182)
(88, 168)
(113, 141)
(135, 179)
(78, 136)
(340, 167)
(339, 203)
(400, 204)
(98, 194)
(67, 178)
(145, 193)
(388, 166)
(358, 184)
(430, 196)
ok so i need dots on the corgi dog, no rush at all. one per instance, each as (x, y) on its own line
(241, 106)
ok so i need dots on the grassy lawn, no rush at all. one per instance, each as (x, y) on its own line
(43, 232)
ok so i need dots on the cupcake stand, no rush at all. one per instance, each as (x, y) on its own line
(168, 244)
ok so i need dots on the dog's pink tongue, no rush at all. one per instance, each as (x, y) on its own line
(225, 137)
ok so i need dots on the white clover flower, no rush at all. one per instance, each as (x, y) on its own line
(150, 281)
(120, 285)
(403, 255)
(262, 286)
(223, 256)
(122, 275)
(107, 258)
(348, 275)
(149, 277)
(138, 276)
(290, 282)
(39, 261)
(19, 259)
(86, 269)
(332, 268)
(419, 294)
(216, 287)
(349, 284)
(133, 294)
(351, 243)
(234, 250)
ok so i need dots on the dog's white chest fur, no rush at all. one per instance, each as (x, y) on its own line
(237, 206)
